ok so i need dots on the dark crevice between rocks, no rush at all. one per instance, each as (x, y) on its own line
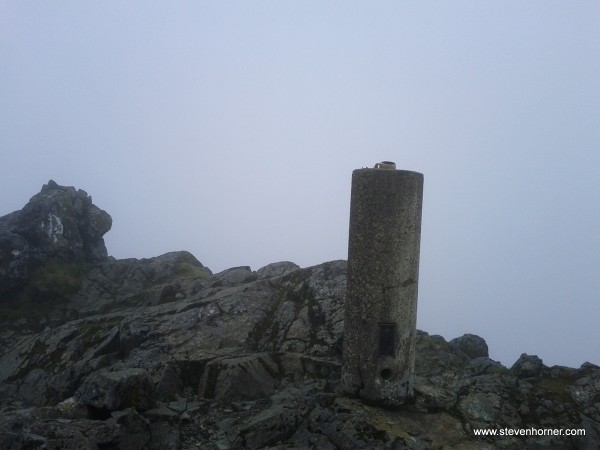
(276, 375)
(211, 382)
(111, 344)
(95, 413)
(105, 446)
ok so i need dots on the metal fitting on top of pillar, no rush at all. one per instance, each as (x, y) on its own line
(383, 273)
(386, 165)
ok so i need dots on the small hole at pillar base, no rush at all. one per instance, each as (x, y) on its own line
(386, 374)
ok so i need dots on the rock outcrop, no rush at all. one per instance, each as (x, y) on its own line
(59, 223)
(162, 353)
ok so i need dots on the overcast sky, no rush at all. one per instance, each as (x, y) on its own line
(231, 129)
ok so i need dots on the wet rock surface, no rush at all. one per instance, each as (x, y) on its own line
(162, 354)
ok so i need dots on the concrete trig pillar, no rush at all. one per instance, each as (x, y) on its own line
(383, 273)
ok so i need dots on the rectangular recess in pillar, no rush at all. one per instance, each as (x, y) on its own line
(387, 339)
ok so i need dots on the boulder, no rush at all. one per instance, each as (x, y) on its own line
(527, 366)
(235, 275)
(134, 430)
(239, 378)
(585, 391)
(276, 269)
(469, 346)
(105, 392)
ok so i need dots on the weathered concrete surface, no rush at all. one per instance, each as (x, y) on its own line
(383, 274)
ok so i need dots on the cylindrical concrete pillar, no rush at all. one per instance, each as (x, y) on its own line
(383, 273)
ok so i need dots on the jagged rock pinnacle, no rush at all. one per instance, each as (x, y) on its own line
(59, 222)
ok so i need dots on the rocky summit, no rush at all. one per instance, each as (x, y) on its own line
(161, 353)
(58, 223)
